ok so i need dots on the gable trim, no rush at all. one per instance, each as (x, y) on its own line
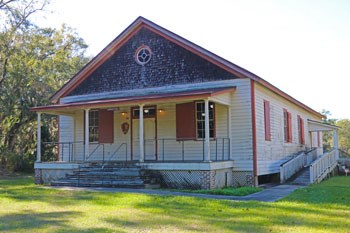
(135, 27)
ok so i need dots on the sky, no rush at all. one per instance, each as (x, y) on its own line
(300, 46)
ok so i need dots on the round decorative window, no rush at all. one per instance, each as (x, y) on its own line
(143, 55)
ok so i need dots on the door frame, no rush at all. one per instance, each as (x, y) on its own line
(155, 128)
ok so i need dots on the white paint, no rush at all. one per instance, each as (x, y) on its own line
(38, 139)
(141, 139)
(86, 139)
(207, 132)
(335, 143)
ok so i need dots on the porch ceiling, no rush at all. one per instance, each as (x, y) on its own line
(316, 126)
(66, 108)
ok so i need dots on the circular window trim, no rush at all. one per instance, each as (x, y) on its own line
(143, 55)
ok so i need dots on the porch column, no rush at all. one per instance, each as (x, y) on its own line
(38, 139)
(142, 152)
(335, 143)
(86, 139)
(207, 132)
(229, 131)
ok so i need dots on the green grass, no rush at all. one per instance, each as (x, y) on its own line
(25, 207)
(241, 191)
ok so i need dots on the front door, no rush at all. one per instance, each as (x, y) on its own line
(149, 135)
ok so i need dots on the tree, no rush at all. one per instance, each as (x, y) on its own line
(344, 135)
(34, 63)
(328, 135)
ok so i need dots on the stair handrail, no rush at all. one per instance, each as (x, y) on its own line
(116, 151)
(96, 148)
(292, 166)
(322, 166)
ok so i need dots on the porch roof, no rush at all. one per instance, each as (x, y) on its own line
(317, 126)
(176, 95)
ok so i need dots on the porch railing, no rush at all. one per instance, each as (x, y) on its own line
(161, 150)
(171, 149)
(310, 156)
(59, 151)
(322, 166)
(291, 167)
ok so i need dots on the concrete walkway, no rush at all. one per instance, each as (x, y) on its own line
(267, 195)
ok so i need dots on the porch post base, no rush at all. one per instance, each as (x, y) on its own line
(38, 176)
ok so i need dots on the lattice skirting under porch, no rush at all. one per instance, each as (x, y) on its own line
(186, 179)
(242, 178)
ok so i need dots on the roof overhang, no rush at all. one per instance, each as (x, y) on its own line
(66, 108)
(317, 126)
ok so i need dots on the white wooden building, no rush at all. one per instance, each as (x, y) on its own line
(156, 99)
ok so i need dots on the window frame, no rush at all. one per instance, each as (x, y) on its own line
(94, 118)
(287, 126)
(301, 131)
(267, 120)
(212, 123)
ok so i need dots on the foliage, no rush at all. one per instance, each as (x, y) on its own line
(34, 63)
(344, 135)
(328, 135)
(28, 208)
(228, 191)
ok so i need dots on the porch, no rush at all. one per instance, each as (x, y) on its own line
(174, 136)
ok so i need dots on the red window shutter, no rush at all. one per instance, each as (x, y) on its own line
(290, 135)
(185, 121)
(267, 120)
(302, 136)
(106, 126)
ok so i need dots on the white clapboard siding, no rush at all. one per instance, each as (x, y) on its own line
(66, 134)
(241, 126)
(270, 153)
(224, 98)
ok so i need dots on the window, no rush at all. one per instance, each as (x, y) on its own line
(93, 126)
(148, 112)
(143, 55)
(301, 131)
(267, 120)
(287, 118)
(200, 119)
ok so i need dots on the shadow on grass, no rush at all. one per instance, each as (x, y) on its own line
(31, 221)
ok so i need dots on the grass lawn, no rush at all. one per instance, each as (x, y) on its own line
(228, 191)
(25, 207)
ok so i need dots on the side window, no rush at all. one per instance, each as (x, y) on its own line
(287, 118)
(301, 131)
(267, 120)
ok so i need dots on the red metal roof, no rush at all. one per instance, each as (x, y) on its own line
(200, 94)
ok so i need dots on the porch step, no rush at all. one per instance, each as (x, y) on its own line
(116, 175)
(302, 177)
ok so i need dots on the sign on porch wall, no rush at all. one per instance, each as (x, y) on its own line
(125, 127)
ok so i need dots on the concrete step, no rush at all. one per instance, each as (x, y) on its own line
(109, 173)
(97, 184)
(97, 169)
(93, 174)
